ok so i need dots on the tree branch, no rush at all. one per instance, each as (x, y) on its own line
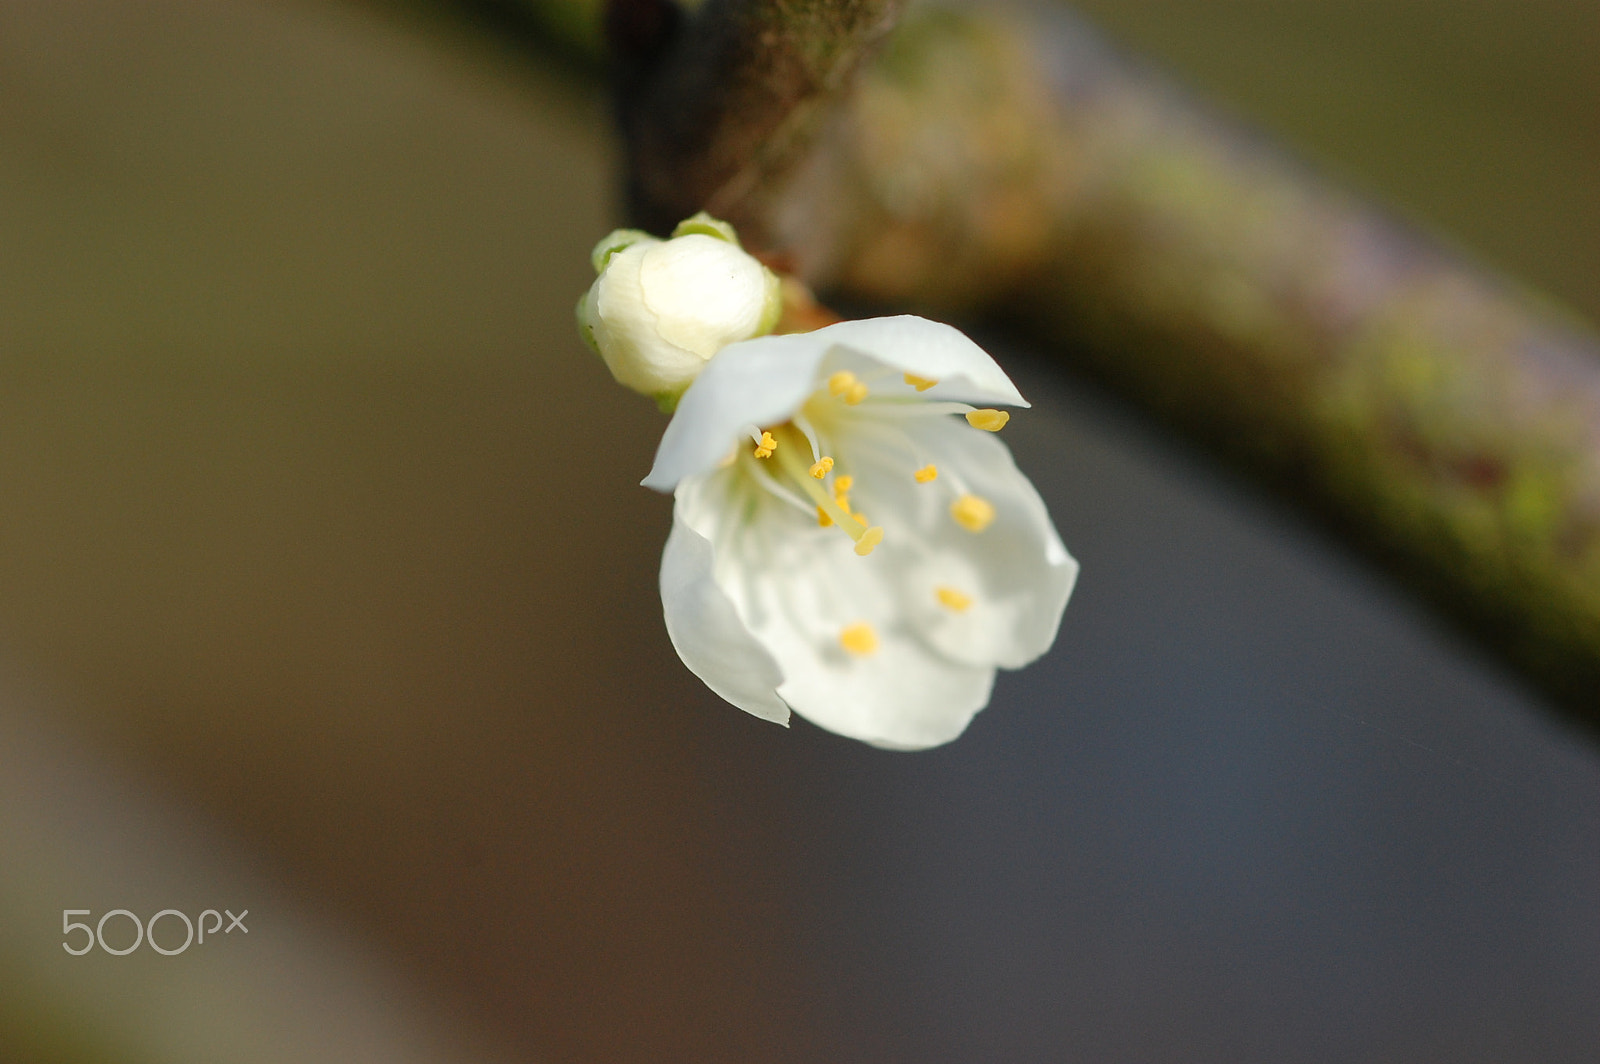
(1009, 162)
(724, 110)
(1005, 162)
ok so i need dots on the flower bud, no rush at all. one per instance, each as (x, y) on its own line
(661, 308)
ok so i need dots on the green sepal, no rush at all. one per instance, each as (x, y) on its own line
(772, 308)
(585, 326)
(615, 241)
(706, 225)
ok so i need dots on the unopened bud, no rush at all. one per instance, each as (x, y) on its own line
(661, 308)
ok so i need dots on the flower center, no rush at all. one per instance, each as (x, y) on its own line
(791, 449)
(847, 386)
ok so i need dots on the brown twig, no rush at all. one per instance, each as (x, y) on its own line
(719, 114)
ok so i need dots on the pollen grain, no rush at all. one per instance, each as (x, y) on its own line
(953, 600)
(972, 512)
(926, 473)
(988, 420)
(869, 539)
(859, 639)
(841, 492)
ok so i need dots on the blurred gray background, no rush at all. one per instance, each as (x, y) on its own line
(327, 591)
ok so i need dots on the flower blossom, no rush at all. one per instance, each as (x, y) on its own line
(658, 309)
(850, 540)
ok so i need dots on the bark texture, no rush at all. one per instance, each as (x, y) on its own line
(716, 117)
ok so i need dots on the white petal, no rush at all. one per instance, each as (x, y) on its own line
(765, 380)
(626, 332)
(796, 587)
(927, 349)
(1016, 572)
(757, 382)
(704, 292)
(706, 631)
(901, 697)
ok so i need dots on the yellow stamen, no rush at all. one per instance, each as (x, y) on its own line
(821, 467)
(869, 540)
(951, 599)
(859, 639)
(837, 510)
(823, 520)
(926, 473)
(855, 393)
(767, 445)
(841, 491)
(921, 384)
(841, 382)
(988, 420)
(972, 513)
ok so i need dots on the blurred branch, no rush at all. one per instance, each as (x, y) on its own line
(716, 114)
(1003, 160)
(1008, 161)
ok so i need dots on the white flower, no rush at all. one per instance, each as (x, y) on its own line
(660, 308)
(865, 557)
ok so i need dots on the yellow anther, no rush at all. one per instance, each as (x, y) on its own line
(767, 445)
(988, 420)
(926, 473)
(921, 384)
(855, 393)
(859, 639)
(829, 510)
(841, 491)
(841, 382)
(972, 513)
(821, 467)
(951, 599)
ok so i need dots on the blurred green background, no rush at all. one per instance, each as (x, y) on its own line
(1476, 119)
(324, 576)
